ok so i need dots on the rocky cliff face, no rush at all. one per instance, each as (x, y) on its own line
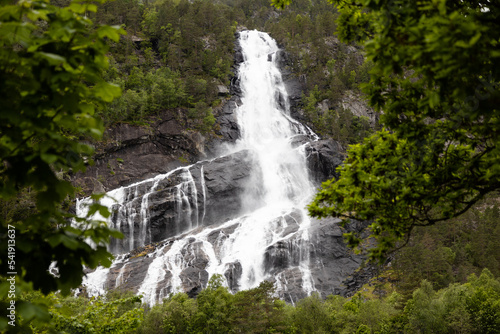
(131, 153)
(157, 213)
(180, 222)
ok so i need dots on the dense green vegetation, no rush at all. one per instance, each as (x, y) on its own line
(65, 75)
(471, 307)
(61, 73)
(51, 83)
(329, 69)
(437, 284)
(451, 251)
(176, 53)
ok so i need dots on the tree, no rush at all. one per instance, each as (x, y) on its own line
(311, 315)
(116, 312)
(51, 63)
(258, 310)
(179, 310)
(436, 83)
(215, 305)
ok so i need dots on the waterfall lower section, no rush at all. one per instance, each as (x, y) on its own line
(241, 215)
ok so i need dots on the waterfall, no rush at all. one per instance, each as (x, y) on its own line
(265, 235)
(266, 126)
(268, 130)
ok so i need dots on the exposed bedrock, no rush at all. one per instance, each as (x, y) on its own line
(295, 88)
(219, 216)
(323, 158)
(205, 193)
(130, 153)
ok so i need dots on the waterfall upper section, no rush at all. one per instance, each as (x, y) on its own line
(266, 127)
(241, 215)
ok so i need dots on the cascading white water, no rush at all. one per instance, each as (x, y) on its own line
(265, 127)
(132, 218)
(267, 131)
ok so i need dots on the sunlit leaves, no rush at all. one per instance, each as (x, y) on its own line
(112, 33)
(106, 91)
(106, 314)
(281, 3)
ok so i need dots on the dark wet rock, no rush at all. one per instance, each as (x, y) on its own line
(323, 158)
(320, 261)
(194, 255)
(194, 276)
(278, 256)
(226, 179)
(192, 280)
(227, 129)
(327, 237)
(333, 260)
(129, 275)
(299, 140)
(323, 254)
(294, 86)
(217, 237)
(353, 283)
(291, 282)
(238, 55)
(233, 275)
(293, 221)
(184, 199)
(132, 153)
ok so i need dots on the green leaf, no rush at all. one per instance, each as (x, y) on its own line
(434, 99)
(82, 7)
(462, 44)
(52, 58)
(30, 311)
(111, 32)
(104, 211)
(86, 108)
(49, 158)
(474, 39)
(107, 92)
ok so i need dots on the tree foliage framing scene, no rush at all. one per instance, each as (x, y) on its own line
(51, 65)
